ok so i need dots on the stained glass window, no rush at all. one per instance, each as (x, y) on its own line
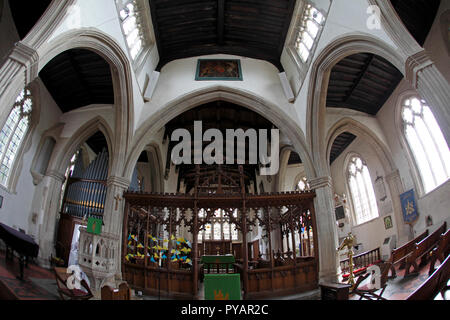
(426, 142)
(302, 185)
(13, 133)
(362, 192)
(219, 226)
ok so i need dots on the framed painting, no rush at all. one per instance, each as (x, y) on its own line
(388, 222)
(219, 69)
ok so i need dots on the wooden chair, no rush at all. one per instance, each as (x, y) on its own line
(366, 292)
(65, 293)
(123, 293)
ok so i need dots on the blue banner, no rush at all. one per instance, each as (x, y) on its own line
(409, 207)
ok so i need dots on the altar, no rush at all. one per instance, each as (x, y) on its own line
(218, 263)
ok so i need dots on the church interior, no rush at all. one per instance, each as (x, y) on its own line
(350, 99)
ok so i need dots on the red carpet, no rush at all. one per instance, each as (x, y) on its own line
(12, 288)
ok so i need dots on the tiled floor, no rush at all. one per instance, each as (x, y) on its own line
(40, 284)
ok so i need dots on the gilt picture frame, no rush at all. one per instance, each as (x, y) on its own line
(219, 70)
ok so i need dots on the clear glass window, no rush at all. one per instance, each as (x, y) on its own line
(132, 28)
(309, 28)
(362, 192)
(427, 143)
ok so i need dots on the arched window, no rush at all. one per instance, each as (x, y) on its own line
(362, 192)
(132, 28)
(13, 134)
(308, 30)
(219, 227)
(427, 143)
(302, 185)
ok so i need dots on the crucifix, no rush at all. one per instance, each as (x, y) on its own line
(118, 199)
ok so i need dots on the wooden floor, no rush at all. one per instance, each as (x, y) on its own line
(40, 284)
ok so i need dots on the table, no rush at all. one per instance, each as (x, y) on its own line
(219, 262)
(18, 241)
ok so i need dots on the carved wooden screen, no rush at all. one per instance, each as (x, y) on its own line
(157, 260)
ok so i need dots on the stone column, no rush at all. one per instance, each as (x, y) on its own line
(19, 69)
(50, 207)
(431, 85)
(326, 229)
(396, 189)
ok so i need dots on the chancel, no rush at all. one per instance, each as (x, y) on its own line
(224, 150)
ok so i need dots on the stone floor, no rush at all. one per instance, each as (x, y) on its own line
(40, 284)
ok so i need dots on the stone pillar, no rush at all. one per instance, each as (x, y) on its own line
(432, 86)
(396, 189)
(326, 229)
(18, 70)
(50, 207)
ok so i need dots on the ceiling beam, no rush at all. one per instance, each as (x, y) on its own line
(220, 22)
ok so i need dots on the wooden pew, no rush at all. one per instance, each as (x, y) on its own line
(441, 251)
(422, 250)
(122, 293)
(435, 284)
(400, 254)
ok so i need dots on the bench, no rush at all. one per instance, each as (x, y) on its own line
(422, 250)
(400, 254)
(441, 251)
(435, 284)
(122, 293)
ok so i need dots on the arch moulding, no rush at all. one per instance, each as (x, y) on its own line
(316, 104)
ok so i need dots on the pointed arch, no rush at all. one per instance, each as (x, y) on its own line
(110, 50)
(65, 150)
(321, 69)
(361, 131)
(240, 97)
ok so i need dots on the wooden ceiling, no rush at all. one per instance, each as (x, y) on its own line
(340, 144)
(26, 13)
(362, 82)
(249, 28)
(417, 16)
(77, 78)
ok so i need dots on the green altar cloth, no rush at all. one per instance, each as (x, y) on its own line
(223, 287)
(229, 259)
